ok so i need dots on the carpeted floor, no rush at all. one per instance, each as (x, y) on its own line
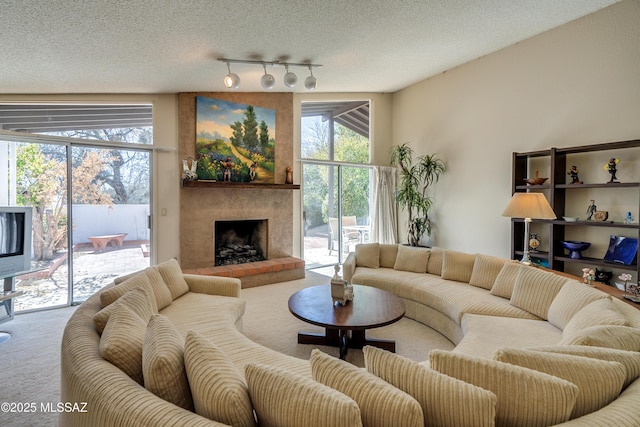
(31, 358)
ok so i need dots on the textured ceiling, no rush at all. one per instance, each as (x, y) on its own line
(159, 46)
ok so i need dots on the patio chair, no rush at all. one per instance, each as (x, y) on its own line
(348, 237)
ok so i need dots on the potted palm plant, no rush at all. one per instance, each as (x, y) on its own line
(411, 194)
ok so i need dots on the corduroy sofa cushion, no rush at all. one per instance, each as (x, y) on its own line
(112, 293)
(629, 359)
(172, 275)
(218, 390)
(140, 300)
(525, 397)
(506, 279)
(571, 298)
(596, 313)
(160, 289)
(163, 363)
(457, 266)
(609, 336)
(124, 283)
(283, 399)
(485, 270)
(381, 404)
(599, 381)
(439, 395)
(535, 290)
(121, 342)
(388, 254)
(368, 255)
(412, 259)
(434, 266)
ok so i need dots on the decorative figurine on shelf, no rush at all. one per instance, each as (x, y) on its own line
(289, 177)
(189, 172)
(612, 168)
(629, 218)
(591, 209)
(588, 275)
(603, 276)
(534, 242)
(573, 172)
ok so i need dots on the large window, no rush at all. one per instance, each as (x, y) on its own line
(336, 180)
(85, 171)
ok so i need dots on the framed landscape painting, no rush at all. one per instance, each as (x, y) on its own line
(234, 142)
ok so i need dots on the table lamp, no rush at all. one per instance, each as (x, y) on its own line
(528, 206)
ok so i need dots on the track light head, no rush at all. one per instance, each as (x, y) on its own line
(290, 79)
(310, 82)
(231, 80)
(267, 80)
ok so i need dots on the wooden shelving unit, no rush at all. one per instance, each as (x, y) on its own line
(557, 190)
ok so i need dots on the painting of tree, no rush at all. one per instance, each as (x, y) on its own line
(234, 142)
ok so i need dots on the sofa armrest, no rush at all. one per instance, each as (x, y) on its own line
(349, 267)
(213, 285)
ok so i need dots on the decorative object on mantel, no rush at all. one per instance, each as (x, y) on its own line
(232, 81)
(537, 180)
(341, 291)
(612, 168)
(588, 275)
(575, 248)
(594, 213)
(528, 206)
(235, 142)
(289, 177)
(574, 175)
(189, 170)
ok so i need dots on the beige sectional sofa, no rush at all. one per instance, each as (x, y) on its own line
(164, 348)
(493, 308)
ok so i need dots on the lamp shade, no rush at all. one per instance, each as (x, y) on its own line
(529, 205)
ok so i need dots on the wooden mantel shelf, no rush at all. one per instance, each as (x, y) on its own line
(218, 184)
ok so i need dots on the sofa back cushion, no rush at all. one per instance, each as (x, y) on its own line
(609, 336)
(218, 390)
(535, 290)
(283, 399)
(140, 300)
(112, 293)
(525, 397)
(599, 381)
(485, 270)
(380, 403)
(388, 254)
(596, 313)
(506, 279)
(571, 298)
(439, 395)
(412, 258)
(121, 342)
(457, 266)
(172, 275)
(434, 266)
(629, 359)
(163, 363)
(368, 255)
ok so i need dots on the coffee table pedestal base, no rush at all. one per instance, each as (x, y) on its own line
(345, 339)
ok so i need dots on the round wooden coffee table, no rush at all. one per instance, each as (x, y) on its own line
(345, 326)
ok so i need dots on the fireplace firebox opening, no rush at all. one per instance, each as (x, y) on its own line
(240, 241)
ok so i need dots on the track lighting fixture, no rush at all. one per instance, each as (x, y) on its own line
(232, 81)
(267, 81)
(310, 82)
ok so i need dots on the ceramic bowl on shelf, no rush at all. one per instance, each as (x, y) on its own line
(535, 181)
(575, 247)
(570, 218)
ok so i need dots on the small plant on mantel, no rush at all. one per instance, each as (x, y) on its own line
(411, 194)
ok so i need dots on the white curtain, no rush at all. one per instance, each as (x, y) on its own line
(384, 222)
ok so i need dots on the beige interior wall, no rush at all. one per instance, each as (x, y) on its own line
(574, 85)
(165, 173)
